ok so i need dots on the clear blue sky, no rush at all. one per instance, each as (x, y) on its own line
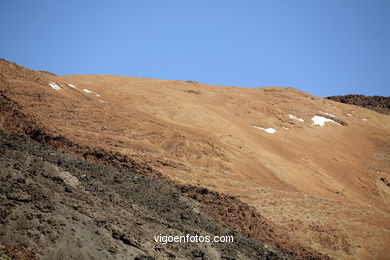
(325, 47)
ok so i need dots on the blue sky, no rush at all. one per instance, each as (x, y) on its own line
(324, 47)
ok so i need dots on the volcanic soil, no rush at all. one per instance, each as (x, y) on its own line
(323, 188)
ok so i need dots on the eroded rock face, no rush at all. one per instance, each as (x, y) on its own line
(377, 103)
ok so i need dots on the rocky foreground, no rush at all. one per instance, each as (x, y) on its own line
(55, 206)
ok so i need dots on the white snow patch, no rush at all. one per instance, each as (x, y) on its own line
(268, 130)
(320, 120)
(349, 114)
(70, 85)
(296, 118)
(327, 114)
(285, 128)
(102, 101)
(364, 119)
(90, 91)
(54, 86)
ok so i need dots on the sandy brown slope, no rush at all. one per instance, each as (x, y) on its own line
(326, 186)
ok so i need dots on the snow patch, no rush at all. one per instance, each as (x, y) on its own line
(70, 85)
(296, 118)
(327, 114)
(285, 128)
(364, 119)
(320, 120)
(90, 91)
(102, 101)
(349, 114)
(54, 86)
(268, 130)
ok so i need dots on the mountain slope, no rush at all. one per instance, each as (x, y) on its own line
(325, 186)
(60, 207)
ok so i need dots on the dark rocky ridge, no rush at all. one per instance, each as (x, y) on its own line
(60, 207)
(377, 103)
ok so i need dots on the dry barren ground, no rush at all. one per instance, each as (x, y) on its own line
(327, 187)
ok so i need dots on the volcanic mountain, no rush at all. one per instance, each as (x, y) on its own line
(314, 172)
